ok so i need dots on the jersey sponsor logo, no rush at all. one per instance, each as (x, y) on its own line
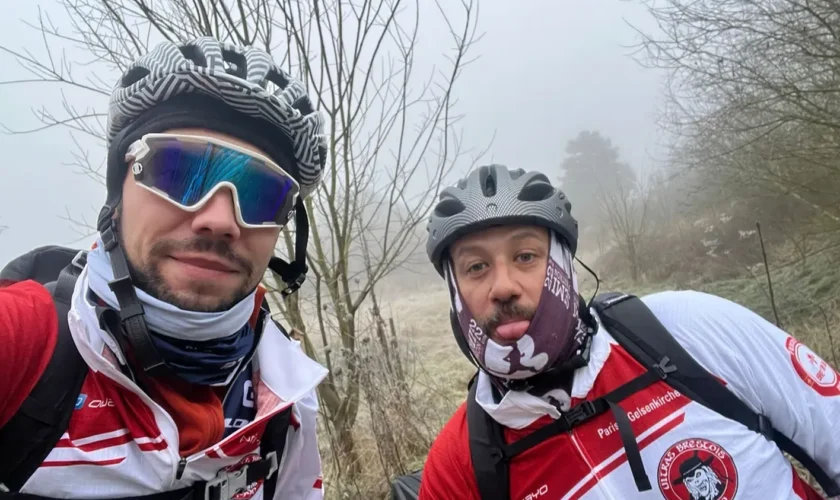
(101, 403)
(812, 369)
(642, 411)
(249, 491)
(538, 493)
(94, 403)
(248, 394)
(80, 401)
(697, 469)
(236, 423)
(240, 403)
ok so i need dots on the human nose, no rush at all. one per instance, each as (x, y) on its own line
(217, 217)
(504, 287)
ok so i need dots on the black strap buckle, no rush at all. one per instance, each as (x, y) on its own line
(80, 260)
(498, 455)
(226, 484)
(109, 238)
(579, 414)
(293, 286)
(663, 368)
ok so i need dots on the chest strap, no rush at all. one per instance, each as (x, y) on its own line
(226, 484)
(587, 410)
(223, 487)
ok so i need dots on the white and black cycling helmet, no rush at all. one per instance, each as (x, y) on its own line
(236, 90)
(492, 195)
(243, 79)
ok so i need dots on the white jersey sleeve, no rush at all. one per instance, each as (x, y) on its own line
(771, 371)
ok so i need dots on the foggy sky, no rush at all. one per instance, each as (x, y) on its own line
(547, 69)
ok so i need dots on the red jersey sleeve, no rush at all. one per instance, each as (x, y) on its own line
(28, 332)
(448, 473)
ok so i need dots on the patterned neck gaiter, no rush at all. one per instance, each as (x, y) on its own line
(555, 331)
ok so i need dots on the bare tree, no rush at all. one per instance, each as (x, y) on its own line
(753, 96)
(391, 145)
(626, 206)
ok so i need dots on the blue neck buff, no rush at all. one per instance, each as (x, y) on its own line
(200, 347)
(211, 362)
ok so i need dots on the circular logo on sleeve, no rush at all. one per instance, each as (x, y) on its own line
(812, 369)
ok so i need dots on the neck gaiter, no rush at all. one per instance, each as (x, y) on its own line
(555, 331)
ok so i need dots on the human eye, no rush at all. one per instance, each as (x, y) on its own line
(526, 257)
(475, 267)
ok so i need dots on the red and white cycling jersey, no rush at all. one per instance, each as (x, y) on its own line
(121, 443)
(689, 451)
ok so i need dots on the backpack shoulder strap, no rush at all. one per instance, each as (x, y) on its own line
(638, 330)
(272, 443)
(44, 415)
(407, 486)
(486, 444)
(42, 264)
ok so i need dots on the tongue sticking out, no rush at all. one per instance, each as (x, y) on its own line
(512, 331)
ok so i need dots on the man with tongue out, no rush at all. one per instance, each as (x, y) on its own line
(504, 241)
(511, 278)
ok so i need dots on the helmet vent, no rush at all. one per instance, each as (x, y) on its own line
(304, 105)
(133, 76)
(277, 79)
(194, 55)
(489, 186)
(536, 190)
(449, 207)
(234, 63)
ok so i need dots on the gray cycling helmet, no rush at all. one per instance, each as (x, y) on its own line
(492, 195)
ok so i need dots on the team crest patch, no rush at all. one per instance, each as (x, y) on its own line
(697, 469)
(812, 369)
(252, 488)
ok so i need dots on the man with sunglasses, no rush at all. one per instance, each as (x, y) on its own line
(163, 376)
(678, 395)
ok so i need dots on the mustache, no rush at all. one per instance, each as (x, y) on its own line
(506, 311)
(199, 244)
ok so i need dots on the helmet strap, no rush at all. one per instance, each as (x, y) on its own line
(294, 273)
(132, 324)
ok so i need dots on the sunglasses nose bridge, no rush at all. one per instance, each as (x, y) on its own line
(218, 215)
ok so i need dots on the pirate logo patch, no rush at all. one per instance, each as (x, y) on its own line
(697, 469)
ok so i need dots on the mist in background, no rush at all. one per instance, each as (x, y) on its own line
(545, 71)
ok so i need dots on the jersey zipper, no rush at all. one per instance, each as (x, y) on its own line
(182, 463)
